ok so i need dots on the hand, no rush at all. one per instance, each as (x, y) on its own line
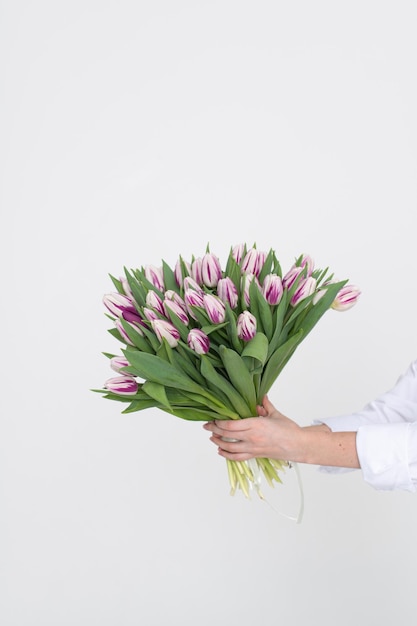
(270, 435)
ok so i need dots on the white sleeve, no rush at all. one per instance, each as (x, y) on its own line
(386, 437)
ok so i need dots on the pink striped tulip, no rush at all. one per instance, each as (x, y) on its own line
(247, 279)
(253, 262)
(122, 385)
(246, 326)
(165, 330)
(238, 252)
(211, 271)
(171, 305)
(291, 276)
(118, 362)
(227, 292)
(306, 287)
(215, 308)
(346, 298)
(117, 303)
(155, 276)
(178, 271)
(198, 341)
(193, 298)
(196, 272)
(154, 301)
(272, 289)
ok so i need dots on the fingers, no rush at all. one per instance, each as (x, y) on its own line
(233, 450)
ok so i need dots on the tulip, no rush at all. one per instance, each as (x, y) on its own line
(305, 288)
(198, 341)
(227, 292)
(134, 320)
(246, 326)
(154, 301)
(308, 262)
(215, 308)
(346, 298)
(118, 362)
(253, 262)
(291, 276)
(178, 271)
(126, 287)
(165, 330)
(272, 289)
(196, 271)
(193, 298)
(246, 283)
(211, 271)
(122, 385)
(116, 303)
(238, 251)
(150, 314)
(155, 276)
(190, 283)
(171, 305)
(175, 297)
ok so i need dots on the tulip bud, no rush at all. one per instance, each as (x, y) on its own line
(150, 314)
(171, 305)
(155, 276)
(346, 298)
(291, 276)
(211, 271)
(178, 271)
(118, 362)
(305, 288)
(122, 385)
(190, 283)
(116, 303)
(246, 326)
(246, 283)
(196, 271)
(215, 308)
(198, 341)
(165, 330)
(253, 262)
(126, 287)
(227, 292)
(175, 297)
(134, 320)
(307, 262)
(238, 251)
(193, 298)
(155, 302)
(272, 289)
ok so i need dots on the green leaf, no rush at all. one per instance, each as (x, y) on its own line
(263, 311)
(136, 338)
(169, 278)
(140, 405)
(157, 392)
(231, 328)
(257, 348)
(153, 368)
(234, 272)
(239, 376)
(235, 398)
(318, 309)
(278, 320)
(139, 293)
(196, 415)
(277, 362)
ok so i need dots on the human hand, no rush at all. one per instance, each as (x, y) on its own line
(270, 435)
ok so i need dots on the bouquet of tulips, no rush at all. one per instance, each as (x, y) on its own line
(206, 342)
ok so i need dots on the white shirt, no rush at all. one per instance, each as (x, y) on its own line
(386, 439)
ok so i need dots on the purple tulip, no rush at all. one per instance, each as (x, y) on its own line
(227, 292)
(178, 271)
(155, 302)
(215, 308)
(272, 289)
(247, 280)
(171, 305)
(305, 288)
(291, 276)
(198, 341)
(175, 297)
(246, 326)
(122, 385)
(196, 271)
(238, 251)
(155, 276)
(253, 262)
(346, 298)
(118, 362)
(190, 283)
(193, 298)
(211, 271)
(165, 330)
(116, 303)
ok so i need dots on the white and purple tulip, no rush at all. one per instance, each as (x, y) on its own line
(304, 289)
(155, 276)
(178, 271)
(193, 298)
(291, 276)
(154, 301)
(196, 271)
(198, 341)
(211, 270)
(247, 280)
(246, 326)
(253, 262)
(171, 305)
(166, 330)
(238, 251)
(122, 385)
(215, 308)
(118, 362)
(346, 298)
(272, 289)
(117, 303)
(227, 292)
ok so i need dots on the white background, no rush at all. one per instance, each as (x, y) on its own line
(136, 131)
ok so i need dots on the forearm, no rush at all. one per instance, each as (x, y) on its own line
(318, 445)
